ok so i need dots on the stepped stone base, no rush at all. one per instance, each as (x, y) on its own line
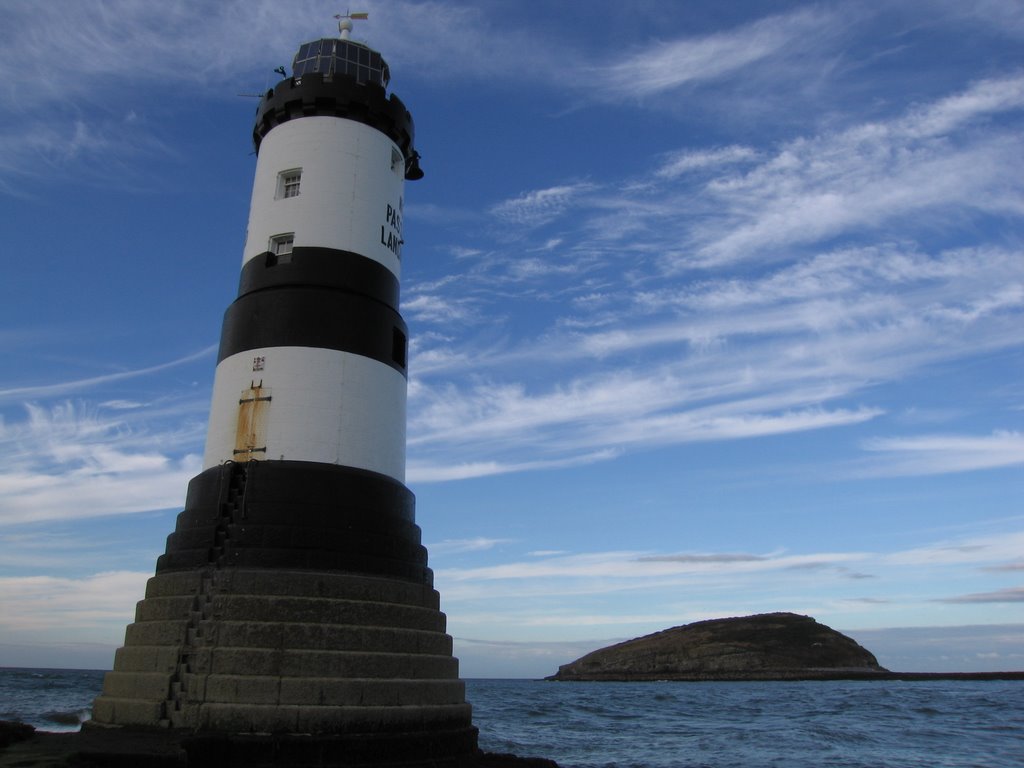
(261, 660)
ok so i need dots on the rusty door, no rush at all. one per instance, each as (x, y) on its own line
(251, 433)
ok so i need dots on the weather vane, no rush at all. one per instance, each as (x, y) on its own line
(345, 22)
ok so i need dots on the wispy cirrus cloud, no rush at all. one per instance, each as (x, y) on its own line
(753, 355)
(993, 647)
(540, 206)
(92, 148)
(70, 462)
(671, 64)
(29, 392)
(430, 307)
(1002, 17)
(606, 413)
(571, 590)
(185, 42)
(981, 551)
(123, 45)
(69, 127)
(942, 454)
(687, 161)
(1017, 566)
(456, 546)
(669, 337)
(71, 459)
(625, 566)
(985, 97)
(50, 609)
(1009, 595)
(502, 658)
(33, 550)
(420, 471)
(871, 175)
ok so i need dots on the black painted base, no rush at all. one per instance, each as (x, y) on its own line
(299, 516)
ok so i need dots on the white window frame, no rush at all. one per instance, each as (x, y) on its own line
(281, 245)
(289, 184)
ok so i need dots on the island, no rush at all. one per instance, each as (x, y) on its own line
(769, 646)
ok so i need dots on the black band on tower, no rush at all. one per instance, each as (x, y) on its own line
(315, 317)
(335, 96)
(321, 268)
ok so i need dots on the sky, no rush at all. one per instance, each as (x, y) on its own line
(715, 309)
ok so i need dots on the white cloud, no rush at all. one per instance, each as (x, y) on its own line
(474, 47)
(668, 65)
(70, 462)
(944, 648)
(733, 358)
(870, 175)
(705, 352)
(984, 98)
(432, 308)
(122, 405)
(29, 550)
(423, 472)
(1009, 595)
(540, 206)
(977, 551)
(1001, 17)
(941, 454)
(566, 596)
(629, 565)
(505, 659)
(702, 398)
(76, 386)
(692, 160)
(121, 39)
(937, 163)
(94, 608)
(69, 126)
(455, 546)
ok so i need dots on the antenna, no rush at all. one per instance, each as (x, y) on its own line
(345, 22)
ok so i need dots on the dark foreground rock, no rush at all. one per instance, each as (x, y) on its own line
(11, 733)
(770, 646)
(21, 746)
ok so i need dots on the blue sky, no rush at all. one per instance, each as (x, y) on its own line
(715, 309)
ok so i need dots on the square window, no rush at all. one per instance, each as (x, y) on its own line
(281, 245)
(289, 183)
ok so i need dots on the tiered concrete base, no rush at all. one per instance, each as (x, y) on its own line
(362, 661)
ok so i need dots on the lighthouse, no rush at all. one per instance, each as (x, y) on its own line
(293, 610)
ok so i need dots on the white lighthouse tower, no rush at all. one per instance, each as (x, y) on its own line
(294, 599)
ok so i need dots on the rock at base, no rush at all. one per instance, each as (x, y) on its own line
(105, 747)
(770, 646)
(13, 732)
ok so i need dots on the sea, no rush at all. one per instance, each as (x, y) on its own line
(853, 724)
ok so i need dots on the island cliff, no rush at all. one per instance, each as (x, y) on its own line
(770, 646)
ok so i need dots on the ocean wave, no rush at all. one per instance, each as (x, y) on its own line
(67, 720)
